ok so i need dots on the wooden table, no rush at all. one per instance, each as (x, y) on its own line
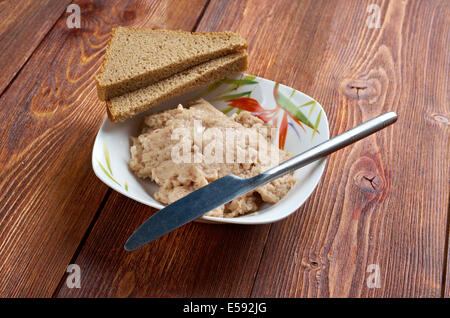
(383, 201)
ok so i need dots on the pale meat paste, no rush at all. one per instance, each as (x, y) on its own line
(151, 157)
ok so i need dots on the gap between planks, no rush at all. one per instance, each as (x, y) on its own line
(83, 240)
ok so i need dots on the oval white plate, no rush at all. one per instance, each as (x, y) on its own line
(307, 126)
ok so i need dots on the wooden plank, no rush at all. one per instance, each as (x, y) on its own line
(23, 25)
(49, 117)
(383, 201)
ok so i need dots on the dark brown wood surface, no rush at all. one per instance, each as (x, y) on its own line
(23, 25)
(383, 201)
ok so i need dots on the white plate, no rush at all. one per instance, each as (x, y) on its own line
(110, 154)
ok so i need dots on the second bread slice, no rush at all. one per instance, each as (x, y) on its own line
(136, 58)
(127, 105)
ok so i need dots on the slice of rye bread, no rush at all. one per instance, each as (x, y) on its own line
(124, 106)
(136, 58)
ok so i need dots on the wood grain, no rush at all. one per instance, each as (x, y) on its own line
(23, 25)
(49, 117)
(382, 201)
(197, 260)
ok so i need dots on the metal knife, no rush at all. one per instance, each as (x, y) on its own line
(230, 187)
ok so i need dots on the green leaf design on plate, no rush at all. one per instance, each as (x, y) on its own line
(239, 82)
(107, 158)
(233, 96)
(236, 83)
(247, 80)
(311, 102)
(316, 124)
(290, 107)
(227, 110)
(107, 173)
(292, 94)
(208, 90)
(312, 108)
(126, 186)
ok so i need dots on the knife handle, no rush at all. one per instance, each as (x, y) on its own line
(327, 147)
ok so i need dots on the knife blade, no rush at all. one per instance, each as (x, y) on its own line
(230, 187)
(188, 209)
